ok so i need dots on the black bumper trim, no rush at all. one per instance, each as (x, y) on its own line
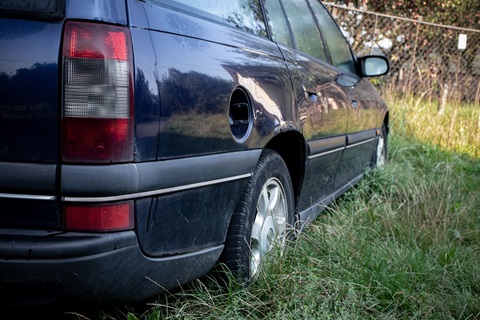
(40, 244)
(33, 181)
(96, 183)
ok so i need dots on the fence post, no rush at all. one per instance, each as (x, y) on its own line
(414, 58)
(477, 98)
(374, 34)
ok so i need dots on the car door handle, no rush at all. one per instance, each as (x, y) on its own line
(346, 80)
(310, 92)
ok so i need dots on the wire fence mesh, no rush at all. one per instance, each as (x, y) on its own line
(429, 60)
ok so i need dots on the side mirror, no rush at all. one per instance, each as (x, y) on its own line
(373, 66)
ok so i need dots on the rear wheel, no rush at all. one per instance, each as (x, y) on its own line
(262, 218)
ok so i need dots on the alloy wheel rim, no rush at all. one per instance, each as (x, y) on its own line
(270, 223)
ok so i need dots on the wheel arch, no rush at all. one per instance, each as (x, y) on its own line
(386, 121)
(290, 146)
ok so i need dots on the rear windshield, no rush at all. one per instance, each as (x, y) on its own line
(33, 9)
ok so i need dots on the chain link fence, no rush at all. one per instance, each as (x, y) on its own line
(428, 60)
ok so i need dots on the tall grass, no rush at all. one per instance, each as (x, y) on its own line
(403, 244)
(456, 127)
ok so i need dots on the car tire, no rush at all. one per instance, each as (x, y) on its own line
(262, 219)
(380, 154)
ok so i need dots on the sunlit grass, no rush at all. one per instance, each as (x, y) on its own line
(456, 128)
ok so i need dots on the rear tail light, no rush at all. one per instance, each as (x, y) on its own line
(99, 217)
(97, 114)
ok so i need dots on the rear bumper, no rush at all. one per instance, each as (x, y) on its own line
(181, 220)
(42, 269)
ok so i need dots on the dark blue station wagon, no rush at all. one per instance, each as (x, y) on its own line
(142, 142)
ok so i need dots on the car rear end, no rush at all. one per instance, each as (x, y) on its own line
(66, 88)
(67, 113)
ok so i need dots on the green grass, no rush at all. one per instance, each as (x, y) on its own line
(456, 128)
(403, 244)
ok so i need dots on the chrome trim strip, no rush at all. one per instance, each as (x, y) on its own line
(155, 192)
(325, 153)
(360, 143)
(27, 197)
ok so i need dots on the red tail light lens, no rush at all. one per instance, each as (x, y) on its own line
(99, 218)
(97, 93)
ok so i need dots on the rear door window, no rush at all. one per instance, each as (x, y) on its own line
(304, 28)
(278, 23)
(243, 14)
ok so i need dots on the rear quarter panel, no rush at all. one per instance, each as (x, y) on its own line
(187, 68)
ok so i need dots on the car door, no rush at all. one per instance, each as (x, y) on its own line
(322, 102)
(362, 106)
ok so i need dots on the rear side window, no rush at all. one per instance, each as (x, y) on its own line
(304, 28)
(243, 14)
(277, 22)
(337, 44)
